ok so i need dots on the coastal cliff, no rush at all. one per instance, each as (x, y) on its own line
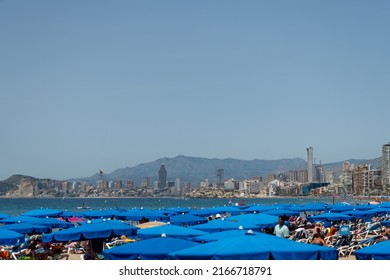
(26, 186)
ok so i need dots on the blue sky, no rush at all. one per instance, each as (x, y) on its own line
(108, 84)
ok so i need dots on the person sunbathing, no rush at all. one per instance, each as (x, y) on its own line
(318, 240)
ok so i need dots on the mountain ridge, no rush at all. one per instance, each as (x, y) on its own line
(195, 169)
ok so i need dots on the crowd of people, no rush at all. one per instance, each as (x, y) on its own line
(355, 233)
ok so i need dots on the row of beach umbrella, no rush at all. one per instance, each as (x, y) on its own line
(198, 229)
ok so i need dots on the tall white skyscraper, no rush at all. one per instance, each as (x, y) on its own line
(309, 164)
(386, 167)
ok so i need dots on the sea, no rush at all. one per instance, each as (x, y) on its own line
(18, 206)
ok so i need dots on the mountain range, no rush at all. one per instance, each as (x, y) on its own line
(196, 169)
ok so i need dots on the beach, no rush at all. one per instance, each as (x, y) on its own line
(217, 232)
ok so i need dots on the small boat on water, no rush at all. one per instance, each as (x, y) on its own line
(83, 207)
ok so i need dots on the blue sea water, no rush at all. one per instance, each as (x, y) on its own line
(17, 206)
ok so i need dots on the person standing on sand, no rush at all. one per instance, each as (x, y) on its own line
(281, 229)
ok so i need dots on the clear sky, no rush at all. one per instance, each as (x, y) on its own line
(108, 84)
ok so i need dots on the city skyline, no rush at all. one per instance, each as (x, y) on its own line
(95, 85)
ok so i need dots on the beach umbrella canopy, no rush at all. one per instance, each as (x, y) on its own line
(205, 212)
(187, 220)
(256, 247)
(103, 229)
(364, 206)
(315, 206)
(102, 214)
(170, 231)
(262, 220)
(27, 228)
(379, 210)
(19, 219)
(225, 224)
(329, 217)
(180, 210)
(233, 210)
(378, 251)
(386, 223)
(53, 223)
(259, 208)
(139, 214)
(67, 214)
(358, 213)
(10, 237)
(211, 237)
(43, 212)
(149, 249)
(4, 216)
(384, 204)
(340, 207)
(281, 212)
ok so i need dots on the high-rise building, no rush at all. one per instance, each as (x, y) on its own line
(309, 164)
(162, 177)
(346, 178)
(147, 180)
(302, 176)
(293, 175)
(386, 168)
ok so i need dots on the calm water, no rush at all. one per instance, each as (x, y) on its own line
(17, 206)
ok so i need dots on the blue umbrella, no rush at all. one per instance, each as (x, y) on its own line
(233, 210)
(19, 219)
(364, 206)
(259, 208)
(27, 228)
(256, 247)
(315, 206)
(379, 210)
(384, 204)
(9, 237)
(149, 249)
(281, 212)
(187, 220)
(4, 216)
(340, 207)
(223, 225)
(102, 214)
(262, 220)
(386, 223)
(53, 223)
(104, 229)
(68, 214)
(170, 231)
(205, 212)
(329, 217)
(180, 210)
(358, 213)
(139, 214)
(43, 212)
(211, 237)
(379, 251)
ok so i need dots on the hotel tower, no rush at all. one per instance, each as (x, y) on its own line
(386, 167)
(309, 164)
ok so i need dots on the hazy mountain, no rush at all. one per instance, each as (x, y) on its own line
(195, 169)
